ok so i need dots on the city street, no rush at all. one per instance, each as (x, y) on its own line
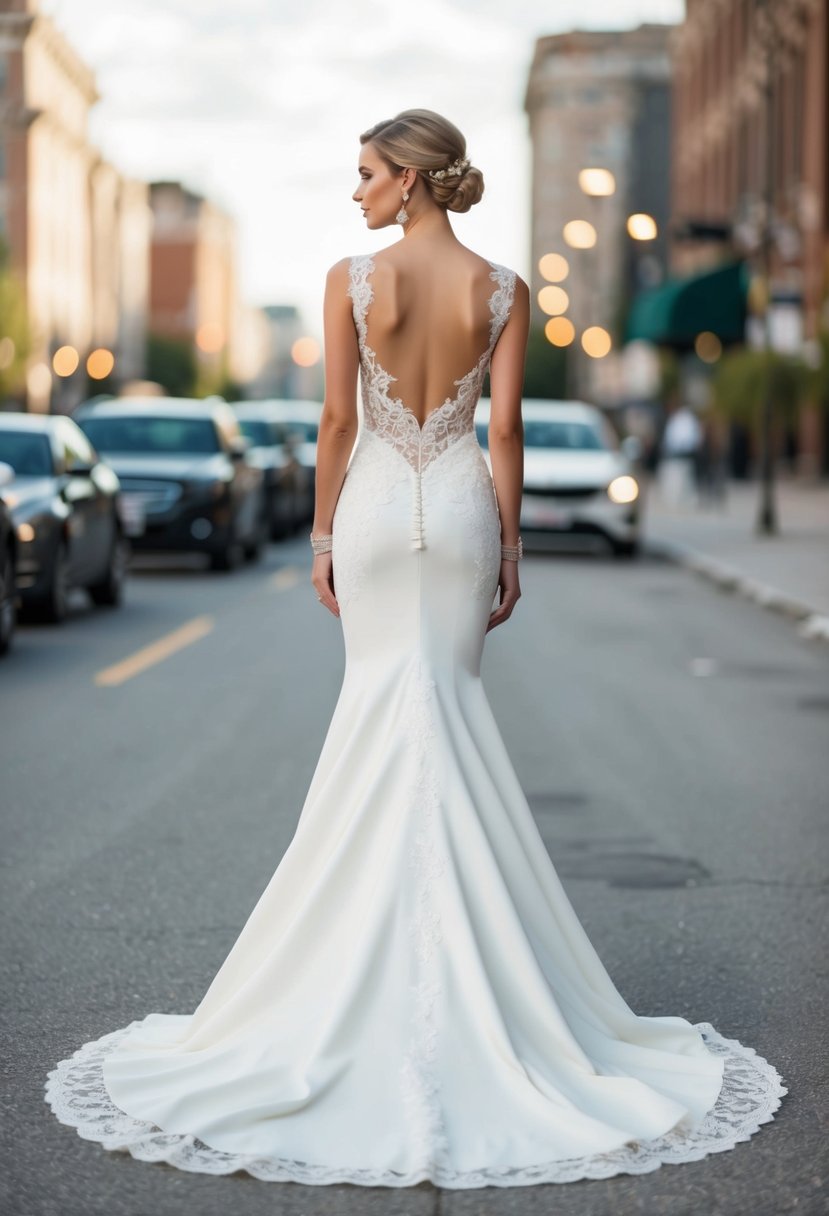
(672, 744)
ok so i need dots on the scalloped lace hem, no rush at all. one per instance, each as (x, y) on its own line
(751, 1093)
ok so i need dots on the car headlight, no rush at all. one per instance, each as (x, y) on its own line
(623, 489)
(25, 532)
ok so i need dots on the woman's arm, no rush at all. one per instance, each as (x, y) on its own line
(338, 423)
(506, 438)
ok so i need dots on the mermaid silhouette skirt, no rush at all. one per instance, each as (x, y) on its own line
(413, 997)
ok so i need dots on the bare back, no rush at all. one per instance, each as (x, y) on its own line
(429, 320)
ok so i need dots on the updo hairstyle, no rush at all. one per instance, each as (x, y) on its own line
(424, 140)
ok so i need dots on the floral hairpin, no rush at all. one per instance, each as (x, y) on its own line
(456, 169)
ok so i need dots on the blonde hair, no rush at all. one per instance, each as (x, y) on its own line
(424, 140)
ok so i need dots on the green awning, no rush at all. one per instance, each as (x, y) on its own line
(673, 314)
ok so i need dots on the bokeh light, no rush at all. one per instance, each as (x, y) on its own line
(580, 234)
(100, 363)
(560, 331)
(553, 267)
(39, 380)
(210, 337)
(65, 360)
(305, 352)
(641, 227)
(598, 183)
(708, 346)
(596, 342)
(553, 300)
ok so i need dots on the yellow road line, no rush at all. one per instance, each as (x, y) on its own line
(156, 652)
(285, 578)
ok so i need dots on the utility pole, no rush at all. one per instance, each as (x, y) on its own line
(767, 513)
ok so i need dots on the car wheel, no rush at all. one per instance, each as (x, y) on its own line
(110, 591)
(625, 548)
(53, 605)
(8, 614)
(229, 557)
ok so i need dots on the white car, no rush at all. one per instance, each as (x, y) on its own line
(579, 480)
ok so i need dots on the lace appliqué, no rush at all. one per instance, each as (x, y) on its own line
(419, 1086)
(393, 421)
(471, 492)
(369, 484)
(751, 1093)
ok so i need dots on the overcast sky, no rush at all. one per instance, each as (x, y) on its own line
(259, 105)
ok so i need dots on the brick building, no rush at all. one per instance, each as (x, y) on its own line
(77, 232)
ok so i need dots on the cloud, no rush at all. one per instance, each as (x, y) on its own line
(259, 103)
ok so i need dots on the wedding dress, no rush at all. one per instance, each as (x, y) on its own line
(413, 997)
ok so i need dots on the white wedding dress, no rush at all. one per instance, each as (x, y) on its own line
(413, 996)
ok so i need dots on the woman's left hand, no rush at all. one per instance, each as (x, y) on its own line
(322, 577)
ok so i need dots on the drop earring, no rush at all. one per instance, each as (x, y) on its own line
(403, 214)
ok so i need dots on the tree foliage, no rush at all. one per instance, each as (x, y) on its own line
(545, 371)
(15, 333)
(172, 363)
(744, 376)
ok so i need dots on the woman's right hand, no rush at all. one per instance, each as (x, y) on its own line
(509, 591)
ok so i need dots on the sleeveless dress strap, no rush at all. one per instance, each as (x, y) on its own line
(500, 302)
(359, 289)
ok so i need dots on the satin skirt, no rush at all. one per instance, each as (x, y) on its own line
(413, 997)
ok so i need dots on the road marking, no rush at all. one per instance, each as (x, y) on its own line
(156, 652)
(285, 578)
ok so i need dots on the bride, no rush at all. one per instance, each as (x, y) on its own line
(413, 997)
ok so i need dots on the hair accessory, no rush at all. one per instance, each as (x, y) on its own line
(456, 169)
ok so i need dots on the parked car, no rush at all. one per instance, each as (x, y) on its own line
(186, 482)
(289, 484)
(302, 420)
(578, 479)
(64, 503)
(8, 564)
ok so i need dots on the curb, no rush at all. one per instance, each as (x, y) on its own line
(811, 623)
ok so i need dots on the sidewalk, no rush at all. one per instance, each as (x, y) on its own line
(787, 573)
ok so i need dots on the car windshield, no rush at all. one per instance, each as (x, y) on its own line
(148, 433)
(261, 433)
(555, 433)
(29, 454)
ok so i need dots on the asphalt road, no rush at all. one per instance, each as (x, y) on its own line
(672, 741)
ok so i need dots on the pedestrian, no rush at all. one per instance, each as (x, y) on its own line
(681, 441)
(413, 997)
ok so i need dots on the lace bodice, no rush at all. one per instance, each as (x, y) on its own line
(388, 418)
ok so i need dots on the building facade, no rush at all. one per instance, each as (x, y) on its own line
(751, 164)
(77, 233)
(600, 99)
(193, 293)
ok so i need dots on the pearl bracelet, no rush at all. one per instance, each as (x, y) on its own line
(321, 544)
(512, 553)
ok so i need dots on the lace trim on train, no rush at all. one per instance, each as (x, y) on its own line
(751, 1093)
(387, 416)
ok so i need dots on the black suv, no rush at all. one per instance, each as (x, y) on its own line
(186, 481)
